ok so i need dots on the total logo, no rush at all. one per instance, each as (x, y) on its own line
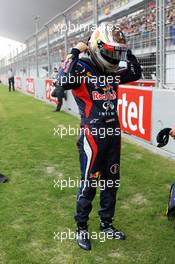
(49, 88)
(30, 86)
(134, 110)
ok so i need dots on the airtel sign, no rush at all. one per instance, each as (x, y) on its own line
(134, 110)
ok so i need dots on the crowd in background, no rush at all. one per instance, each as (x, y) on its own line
(85, 9)
(140, 22)
(144, 21)
(171, 12)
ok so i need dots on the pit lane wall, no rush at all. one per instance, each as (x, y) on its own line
(143, 109)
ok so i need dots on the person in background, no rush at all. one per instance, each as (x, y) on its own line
(54, 74)
(172, 133)
(58, 91)
(11, 80)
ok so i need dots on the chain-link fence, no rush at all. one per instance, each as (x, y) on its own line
(149, 26)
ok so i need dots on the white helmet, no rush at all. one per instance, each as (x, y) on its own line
(107, 47)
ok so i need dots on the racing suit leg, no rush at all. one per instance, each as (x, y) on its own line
(111, 177)
(99, 159)
(91, 157)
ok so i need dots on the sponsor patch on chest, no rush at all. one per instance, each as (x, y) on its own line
(105, 96)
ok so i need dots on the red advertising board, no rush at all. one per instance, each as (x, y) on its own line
(18, 82)
(134, 109)
(30, 85)
(49, 88)
(143, 83)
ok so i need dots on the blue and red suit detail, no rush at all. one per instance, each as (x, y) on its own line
(99, 155)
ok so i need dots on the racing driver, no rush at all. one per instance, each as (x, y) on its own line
(96, 98)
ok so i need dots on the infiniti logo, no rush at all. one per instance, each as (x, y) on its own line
(108, 105)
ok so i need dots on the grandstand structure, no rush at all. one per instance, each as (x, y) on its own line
(149, 26)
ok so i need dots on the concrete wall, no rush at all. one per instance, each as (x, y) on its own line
(162, 110)
(163, 114)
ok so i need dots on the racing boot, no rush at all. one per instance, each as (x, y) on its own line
(108, 228)
(82, 237)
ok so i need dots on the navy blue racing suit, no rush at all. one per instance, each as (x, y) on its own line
(100, 138)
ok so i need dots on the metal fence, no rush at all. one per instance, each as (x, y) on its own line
(149, 26)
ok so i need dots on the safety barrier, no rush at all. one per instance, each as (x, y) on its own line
(141, 106)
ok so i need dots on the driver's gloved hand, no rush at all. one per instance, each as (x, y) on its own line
(130, 57)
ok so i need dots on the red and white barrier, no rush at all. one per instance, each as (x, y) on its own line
(49, 89)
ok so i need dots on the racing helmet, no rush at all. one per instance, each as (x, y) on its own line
(107, 47)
